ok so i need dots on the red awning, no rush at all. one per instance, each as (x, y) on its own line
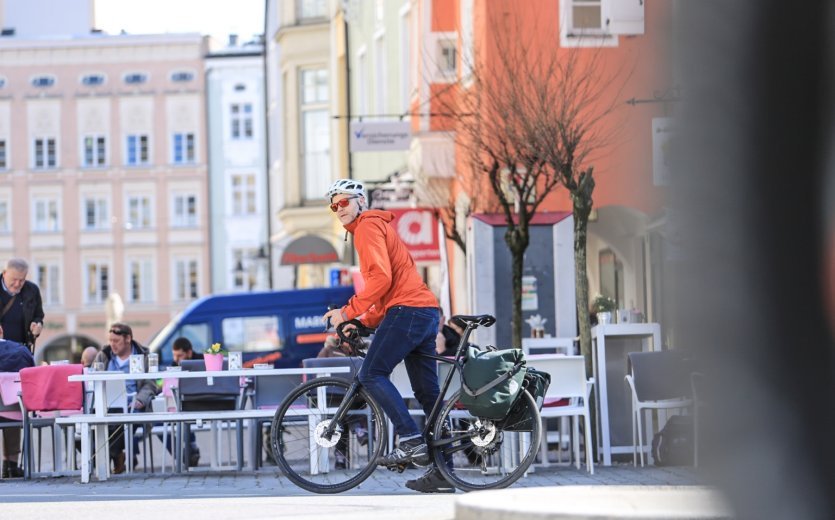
(309, 249)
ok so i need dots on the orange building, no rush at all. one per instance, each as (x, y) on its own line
(626, 41)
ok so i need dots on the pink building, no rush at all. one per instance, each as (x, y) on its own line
(103, 183)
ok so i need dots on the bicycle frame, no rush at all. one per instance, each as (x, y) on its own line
(353, 391)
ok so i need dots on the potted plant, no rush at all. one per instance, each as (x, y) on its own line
(213, 357)
(603, 307)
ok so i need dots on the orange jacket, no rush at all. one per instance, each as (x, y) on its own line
(388, 269)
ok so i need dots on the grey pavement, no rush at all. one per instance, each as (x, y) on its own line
(267, 494)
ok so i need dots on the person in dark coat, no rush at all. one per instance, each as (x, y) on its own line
(21, 308)
(13, 358)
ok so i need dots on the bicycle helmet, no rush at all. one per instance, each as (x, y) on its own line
(348, 187)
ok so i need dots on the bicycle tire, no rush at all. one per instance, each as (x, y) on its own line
(302, 417)
(482, 456)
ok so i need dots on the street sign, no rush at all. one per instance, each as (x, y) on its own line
(380, 136)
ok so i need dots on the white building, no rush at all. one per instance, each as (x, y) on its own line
(238, 183)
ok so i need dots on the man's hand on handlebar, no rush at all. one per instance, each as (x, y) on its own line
(333, 318)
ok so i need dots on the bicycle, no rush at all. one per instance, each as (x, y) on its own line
(328, 434)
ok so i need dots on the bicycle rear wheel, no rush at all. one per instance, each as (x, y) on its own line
(304, 452)
(475, 453)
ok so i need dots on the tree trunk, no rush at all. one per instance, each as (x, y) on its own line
(517, 242)
(581, 198)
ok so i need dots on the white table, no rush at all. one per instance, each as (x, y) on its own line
(548, 345)
(100, 394)
(611, 344)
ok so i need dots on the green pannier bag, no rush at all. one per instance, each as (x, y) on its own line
(491, 380)
(536, 383)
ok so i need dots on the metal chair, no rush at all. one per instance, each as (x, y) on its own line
(658, 380)
(268, 393)
(196, 394)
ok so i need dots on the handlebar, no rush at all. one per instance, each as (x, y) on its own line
(352, 336)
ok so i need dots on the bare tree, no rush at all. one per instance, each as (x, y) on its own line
(533, 118)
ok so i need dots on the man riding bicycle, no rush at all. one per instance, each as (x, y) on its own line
(398, 303)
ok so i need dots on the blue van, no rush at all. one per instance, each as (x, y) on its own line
(277, 327)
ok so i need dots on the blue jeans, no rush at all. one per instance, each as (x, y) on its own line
(403, 331)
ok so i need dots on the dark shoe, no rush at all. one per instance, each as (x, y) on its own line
(11, 469)
(412, 450)
(341, 461)
(119, 463)
(431, 482)
(193, 459)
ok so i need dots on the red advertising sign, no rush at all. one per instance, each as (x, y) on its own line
(418, 228)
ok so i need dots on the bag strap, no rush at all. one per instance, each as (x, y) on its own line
(499, 380)
(8, 306)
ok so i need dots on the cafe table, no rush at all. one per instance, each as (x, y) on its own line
(99, 422)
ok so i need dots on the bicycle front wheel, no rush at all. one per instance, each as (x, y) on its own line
(324, 463)
(474, 453)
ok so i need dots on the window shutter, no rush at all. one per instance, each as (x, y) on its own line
(626, 16)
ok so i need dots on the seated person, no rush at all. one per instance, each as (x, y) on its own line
(182, 349)
(88, 355)
(449, 336)
(116, 358)
(13, 357)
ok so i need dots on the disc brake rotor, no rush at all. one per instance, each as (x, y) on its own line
(323, 441)
(483, 433)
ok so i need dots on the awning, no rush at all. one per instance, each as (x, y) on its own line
(309, 249)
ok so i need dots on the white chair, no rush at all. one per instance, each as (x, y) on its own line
(568, 381)
(659, 380)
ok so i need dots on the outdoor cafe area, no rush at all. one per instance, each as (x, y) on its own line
(636, 386)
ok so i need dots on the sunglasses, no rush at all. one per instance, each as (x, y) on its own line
(342, 203)
(119, 332)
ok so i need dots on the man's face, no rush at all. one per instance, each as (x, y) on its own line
(180, 355)
(14, 279)
(120, 344)
(347, 214)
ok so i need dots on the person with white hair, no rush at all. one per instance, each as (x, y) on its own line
(21, 308)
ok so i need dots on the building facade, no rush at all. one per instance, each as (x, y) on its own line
(238, 184)
(103, 177)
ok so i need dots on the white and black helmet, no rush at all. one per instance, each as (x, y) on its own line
(347, 187)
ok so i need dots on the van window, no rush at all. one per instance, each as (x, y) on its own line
(199, 334)
(251, 334)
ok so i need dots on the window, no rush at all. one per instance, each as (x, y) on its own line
(242, 276)
(183, 148)
(45, 156)
(587, 15)
(92, 80)
(611, 276)
(139, 212)
(5, 224)
(241, 118)
(2, 82)
(137, 148)
(96, 281)
(48, 280)
(182, 76)
(135, 78)
(140, 281)
(243, 194)
(94, 151)
(43, 81)
(308, 9)
(448, 58)
(45, 215)
(185, 279)
(95, 213)
(3, 157)
(315, 131)
(251, 334)
(185, 210)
